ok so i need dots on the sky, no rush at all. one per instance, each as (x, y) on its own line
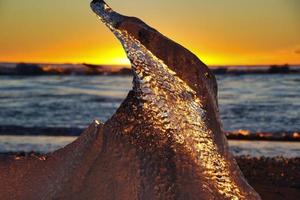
(231, 32)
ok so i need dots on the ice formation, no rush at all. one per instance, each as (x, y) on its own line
(164, 142)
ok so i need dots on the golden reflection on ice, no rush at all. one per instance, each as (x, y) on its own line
(178, 109)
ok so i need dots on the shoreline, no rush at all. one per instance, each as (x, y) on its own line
(244, 135)
(42, 69)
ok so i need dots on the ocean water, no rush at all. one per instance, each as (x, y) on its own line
(267, 103)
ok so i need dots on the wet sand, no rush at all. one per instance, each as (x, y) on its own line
(273, 178)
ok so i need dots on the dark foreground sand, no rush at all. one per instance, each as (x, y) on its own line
(273, 178)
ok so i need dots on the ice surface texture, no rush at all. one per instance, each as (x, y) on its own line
(164, 142)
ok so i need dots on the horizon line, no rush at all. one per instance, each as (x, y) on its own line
(125, 65)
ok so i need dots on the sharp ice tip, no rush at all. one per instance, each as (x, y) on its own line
(96, 1)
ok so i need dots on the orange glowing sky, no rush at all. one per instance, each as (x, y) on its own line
(231, 32)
